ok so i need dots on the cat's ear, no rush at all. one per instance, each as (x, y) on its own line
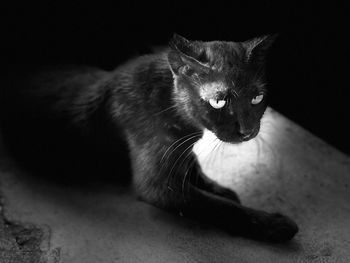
(181, 56)
(257, 48)
(181, 44)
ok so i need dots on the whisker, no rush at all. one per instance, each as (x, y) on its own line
(190, 166)
(178, 140)
(174, 165)
(219, 150)
(210, 155)
(162, 111)
(191, 145)
(222, 152)
(180, 144)
(191, 163)
(216, 152)
(162, 161)
(234, 92)
(201, 152)
(188, 169)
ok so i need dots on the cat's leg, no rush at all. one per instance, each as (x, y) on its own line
(271, 226)
(170, 189)
(238, 219)
(204, 182)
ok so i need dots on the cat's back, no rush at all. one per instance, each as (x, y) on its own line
(141, 70)
(137, 84)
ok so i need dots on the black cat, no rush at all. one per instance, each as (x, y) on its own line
(160, 104)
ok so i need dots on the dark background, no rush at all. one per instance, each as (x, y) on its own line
(308, 67)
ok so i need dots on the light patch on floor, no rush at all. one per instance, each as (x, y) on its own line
(288, 170)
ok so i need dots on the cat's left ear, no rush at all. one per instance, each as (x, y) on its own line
(257, 48)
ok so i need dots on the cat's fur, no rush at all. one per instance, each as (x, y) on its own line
(160, 103)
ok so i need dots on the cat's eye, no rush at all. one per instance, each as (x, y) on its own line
(217, 104)
(257, 99)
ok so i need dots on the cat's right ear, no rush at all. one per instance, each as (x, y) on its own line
(181, 57)
(257, 48)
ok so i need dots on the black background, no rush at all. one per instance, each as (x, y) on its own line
(308, 67)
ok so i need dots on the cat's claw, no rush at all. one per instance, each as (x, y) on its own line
(273, 227)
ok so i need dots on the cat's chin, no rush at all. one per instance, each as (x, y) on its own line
(237, 140)
(230, 140)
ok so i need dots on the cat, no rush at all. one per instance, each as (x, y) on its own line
(160, 104)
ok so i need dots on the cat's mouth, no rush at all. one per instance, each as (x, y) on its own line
(236, 138)
(250, 136)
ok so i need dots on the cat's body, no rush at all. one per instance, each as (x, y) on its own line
(161, 104)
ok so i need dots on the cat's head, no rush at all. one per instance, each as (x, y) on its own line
(220, 85)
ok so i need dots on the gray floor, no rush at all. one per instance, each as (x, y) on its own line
(287, 170)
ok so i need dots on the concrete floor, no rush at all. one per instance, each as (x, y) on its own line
(287, 170)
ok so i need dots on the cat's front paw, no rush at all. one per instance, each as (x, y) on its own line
(273, 227)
